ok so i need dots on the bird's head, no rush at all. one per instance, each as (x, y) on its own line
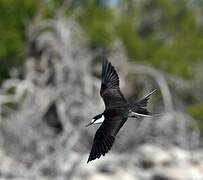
(98, 119)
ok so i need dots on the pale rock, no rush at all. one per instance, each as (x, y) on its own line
(120, 174)
(150, 156)
(181, 172)
(179, 155)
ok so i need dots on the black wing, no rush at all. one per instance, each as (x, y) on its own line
(104, 137)
(110, 91)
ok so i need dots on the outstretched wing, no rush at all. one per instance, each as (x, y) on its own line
(110, 91)
(104, 137)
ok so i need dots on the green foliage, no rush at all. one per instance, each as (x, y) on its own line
(11, 91)
(97, 21)
(196, 112)
(165, 34)
(15, 16)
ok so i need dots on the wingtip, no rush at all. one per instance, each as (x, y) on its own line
(102, 148)
(104, 59)
(90, 159)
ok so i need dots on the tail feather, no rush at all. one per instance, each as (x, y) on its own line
(139, 107)
(143, 102)
(143, 111)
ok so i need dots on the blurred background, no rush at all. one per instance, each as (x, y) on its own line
(50, 65)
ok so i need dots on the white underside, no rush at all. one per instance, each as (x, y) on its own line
(99, 121)
(138, 114)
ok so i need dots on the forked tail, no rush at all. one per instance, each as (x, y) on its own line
(139, 108)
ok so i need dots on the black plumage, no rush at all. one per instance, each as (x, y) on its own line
(117, 111)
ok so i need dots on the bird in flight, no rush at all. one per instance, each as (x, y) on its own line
(117, 110)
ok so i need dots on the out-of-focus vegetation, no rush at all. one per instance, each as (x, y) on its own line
(166, 34)
(15, 16)
(196, 111)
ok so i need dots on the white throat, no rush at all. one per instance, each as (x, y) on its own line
(100, 120)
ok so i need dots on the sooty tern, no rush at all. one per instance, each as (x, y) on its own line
(117, 111)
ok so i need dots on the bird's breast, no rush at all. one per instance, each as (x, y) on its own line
(121, 112)
(115, 118)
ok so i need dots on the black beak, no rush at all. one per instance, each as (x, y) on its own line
(88, 124)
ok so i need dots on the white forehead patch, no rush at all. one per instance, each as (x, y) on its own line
(99, 121)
